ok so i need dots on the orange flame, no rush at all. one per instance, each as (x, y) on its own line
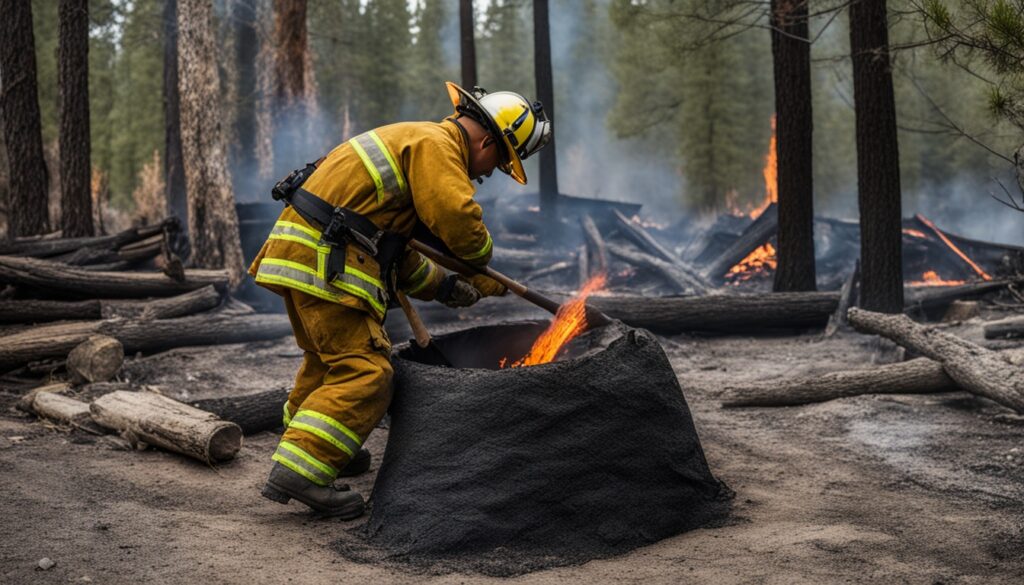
(914, 233)
(570, 321)
(760, 260)
(771, 176)
(984, 275)
(932, 278)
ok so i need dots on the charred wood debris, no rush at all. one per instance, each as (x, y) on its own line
(71, 309)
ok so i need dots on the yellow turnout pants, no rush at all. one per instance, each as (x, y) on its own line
(341, 391)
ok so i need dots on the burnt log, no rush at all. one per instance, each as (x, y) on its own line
(97, 359)
(758, 233)
(934, 296)
(151, 419)
(977, 370)
(190, 303)
(46, 247)
(679, 279)
(646, 242)
(597, 254)
(253, 413)
(51, 341)
(55, 276)
(1012, 327)
(39, 311)
(720, 313)
(916, 376)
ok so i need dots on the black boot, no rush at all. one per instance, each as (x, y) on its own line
(284, 484)
(359, 464)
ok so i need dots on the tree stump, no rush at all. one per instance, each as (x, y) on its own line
(97, 359)
(512, 470)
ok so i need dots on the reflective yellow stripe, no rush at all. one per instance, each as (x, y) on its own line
(360, 274)
(371, 168)
(298, 226)
(334, 423)
(482, 251)
(298, 460)
(287, 414)
(419, 279)
(306, 279)
(391, 161)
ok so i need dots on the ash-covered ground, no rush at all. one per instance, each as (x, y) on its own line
(873, 489)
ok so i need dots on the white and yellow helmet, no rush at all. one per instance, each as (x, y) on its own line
(523, 127)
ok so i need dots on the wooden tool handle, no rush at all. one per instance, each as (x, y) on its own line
(466, 269)
(419, 330)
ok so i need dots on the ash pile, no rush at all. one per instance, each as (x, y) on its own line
(506, 470)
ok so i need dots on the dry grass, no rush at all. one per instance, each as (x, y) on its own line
(150, 194)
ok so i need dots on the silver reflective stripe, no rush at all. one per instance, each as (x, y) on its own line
(281, 230)
(344, 282)
(325, 430)
(291, 459)
(380, 162)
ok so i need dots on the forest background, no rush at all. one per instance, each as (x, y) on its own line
(654, 110)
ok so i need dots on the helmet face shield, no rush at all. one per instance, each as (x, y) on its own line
(522, 127)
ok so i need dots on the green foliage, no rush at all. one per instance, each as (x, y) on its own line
(505, 47)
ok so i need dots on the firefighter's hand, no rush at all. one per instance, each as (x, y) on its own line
(457, 292)
(487, 286)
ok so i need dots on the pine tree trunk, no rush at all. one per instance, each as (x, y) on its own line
(878, 171)
(213, 222)
(246, 54)
(19, 113)
(792, 61)
(174, 169)
(467, 34)
(75, 165)
(289, 112)
(546, 95)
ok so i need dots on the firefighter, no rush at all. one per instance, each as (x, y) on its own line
(337, 255)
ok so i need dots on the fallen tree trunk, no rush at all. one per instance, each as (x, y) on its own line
(720, 313)
(933, 296)
(679, 279)
(253, 413)
(56, 276)
(757, 234)
(190, 303)
(917, 376)
(974, 368)
(42, 311)
(35, 311)
(50, 341)
(146, 417)
(646, 242)
(597, 254)
(46, 247)
(51, 403)
(1005, 328)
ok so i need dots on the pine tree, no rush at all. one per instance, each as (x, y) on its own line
(75, 169)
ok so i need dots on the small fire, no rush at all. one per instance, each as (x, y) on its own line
(771, 176)
(760, 260)
(977, 269)
(932, 278)
(570, 321)
(647, 223)
(914, 233)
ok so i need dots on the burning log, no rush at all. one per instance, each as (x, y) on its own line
(639, 236)
(759, 232)
(55, 276)
(847, 294)
(46, 247)
(97, 359)
(720, 313)
(597, 255)
(253, 413)
(680, 279)
(146, 417)
(51, 341)
(974, 368)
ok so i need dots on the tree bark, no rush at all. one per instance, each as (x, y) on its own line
(597, 254)
(44, 248)
(974, 368)
(19, 114)
(147, 417)
(722, 313)
(51, 341)
(252, 412)
(75, 165)
(213, 221)
(174, 167)
(467, 37)
(51, 403)
(35, 311)
(791, 50)
(546, 95)
(54, 276)
(878, 171)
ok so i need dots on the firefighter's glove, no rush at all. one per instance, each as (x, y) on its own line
(455, 291)
(487, 286)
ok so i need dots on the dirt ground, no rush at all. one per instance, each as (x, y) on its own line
(874, 489)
